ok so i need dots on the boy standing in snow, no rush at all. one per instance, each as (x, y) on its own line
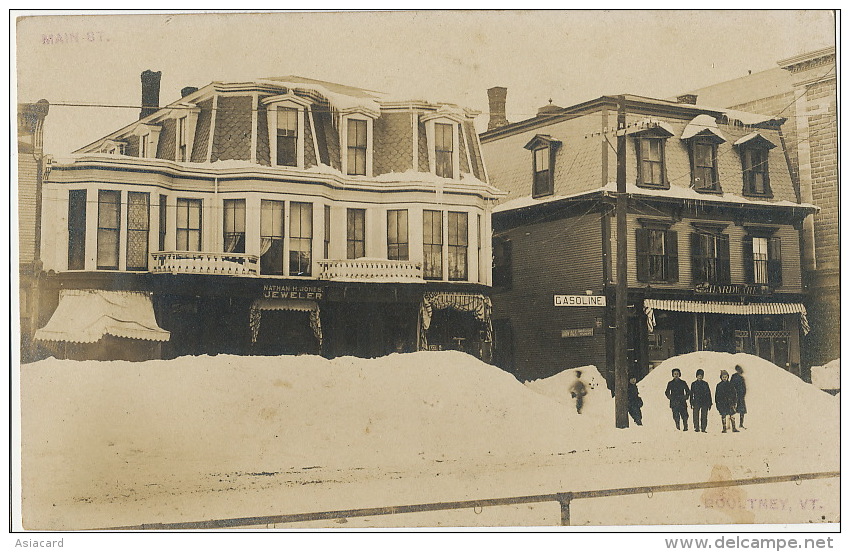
(677, 391)
(700, 401)
(737, 380)
(577, 391)
(726, 398)
(635, 402)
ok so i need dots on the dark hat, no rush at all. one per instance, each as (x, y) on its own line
(700, 372)
(674, 370)
(724, 372)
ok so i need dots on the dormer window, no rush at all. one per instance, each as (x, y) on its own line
(442, 128)
(148, 139)
(113, 147)
(286, 119)
(543, 148)
(287, 136)
(182, 140)
(357, 146)
(650, 147)
(703, 136)
(754, 150)
(444, 149)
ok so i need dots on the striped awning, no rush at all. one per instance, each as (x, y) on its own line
(722, 307)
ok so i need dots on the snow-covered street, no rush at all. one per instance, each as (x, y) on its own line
(198, 438)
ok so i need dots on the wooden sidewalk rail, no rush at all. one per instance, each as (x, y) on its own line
(563, 498)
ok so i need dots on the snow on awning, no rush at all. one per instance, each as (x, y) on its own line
(755, 139)
(85, 316)
(703, 125)
(722, 307)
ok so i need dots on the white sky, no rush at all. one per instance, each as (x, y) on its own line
(568, 56)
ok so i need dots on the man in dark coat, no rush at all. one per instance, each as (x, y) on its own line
(740, 384)
(635, 402)
(677, 391)
(700, 401)
(726, 398)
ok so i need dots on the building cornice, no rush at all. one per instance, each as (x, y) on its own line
(809, 60)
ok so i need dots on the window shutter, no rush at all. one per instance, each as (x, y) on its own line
(723, 271)
(642, 250)
(774, 261)
(551, 183)
(639, 158)
(697, 272)
(749, 270)
(672, 256)
(745, 174)
(767, 173)
(664, 164)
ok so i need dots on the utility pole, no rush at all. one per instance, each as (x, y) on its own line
(621, 368)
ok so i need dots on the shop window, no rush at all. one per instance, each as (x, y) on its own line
(432, 241)
(234, 226)
(458, 245)
(763, 260)
(271, 237)
(163, 220)
(704, 166)
(710, 257)
(357, 145)
(287, 136)
(108, 229)
(502, 263)
(651, 162)
(76, 229)
(657, 255)
(138, 230)
(398, 246)
(755, 167)
(356, 234)
(189, 224)
(444, 149)
(300, 238)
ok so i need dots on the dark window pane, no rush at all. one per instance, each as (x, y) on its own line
(271, 237)
(188, 224)
(108, 229)
(433, 244)
(300, 238)
(356, 234)
(397, 241)
(76, 229)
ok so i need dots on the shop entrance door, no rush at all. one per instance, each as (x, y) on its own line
(773, 346)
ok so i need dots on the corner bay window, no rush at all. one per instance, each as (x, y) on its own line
(357, 143)
(657, 255)
(756, 180)
(458, 245)
(300, 238)
(138, 227)
(356, 234)
(76, 229)
(704, 166)
(432, 241)
(651, 162)
(188, 224)
(108, 229)
(234, 226)
(710, 258)
(271, 237)
(398, 246)
(444, 149)
(763, 260)
(287, 136)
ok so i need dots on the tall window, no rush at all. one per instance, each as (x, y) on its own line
(651, 162)
(432, 240)
(398, 246)
(287, 136)
(327, 231)
(108, 228)
(300, 238)
(763, 260)
(756, 181)
(458, 245)
(163, 220)
(76, 229)
(143, 145)
(356, 234)
(705, 166)
(138, 230)
(444, 149)
(182, 140)
(188, 224)
(710, 258)
(357, 143)
(657, 255)
(271, 237)
(234, 226)
(543, 181)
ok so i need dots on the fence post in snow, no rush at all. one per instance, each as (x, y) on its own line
(564, 500)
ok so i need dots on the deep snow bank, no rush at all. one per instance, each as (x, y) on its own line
(827, 376)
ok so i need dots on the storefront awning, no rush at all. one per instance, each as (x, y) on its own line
(476, 303)
(85, 316)
(721, 307)
(285, 304)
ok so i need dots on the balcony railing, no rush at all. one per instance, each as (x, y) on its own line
(359, 270)
(194, 262)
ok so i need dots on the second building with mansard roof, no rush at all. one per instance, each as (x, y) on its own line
(713, 231)
(282, 215)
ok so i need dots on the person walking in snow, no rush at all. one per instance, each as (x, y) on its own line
(740, 384)
(678, 392)
(700, 401)
(726, 399)
(635, 402)
(577, 391)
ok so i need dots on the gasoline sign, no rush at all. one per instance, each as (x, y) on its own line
(579, 300)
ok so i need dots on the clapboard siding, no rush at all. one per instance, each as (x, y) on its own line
(558, 257)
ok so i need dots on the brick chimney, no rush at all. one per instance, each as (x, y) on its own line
(497, 96)
(150, 92)
(687, 99)
(186, 90)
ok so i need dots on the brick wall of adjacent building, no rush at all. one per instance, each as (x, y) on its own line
(823, 142)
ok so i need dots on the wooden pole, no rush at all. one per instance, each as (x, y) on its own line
(621, 369)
